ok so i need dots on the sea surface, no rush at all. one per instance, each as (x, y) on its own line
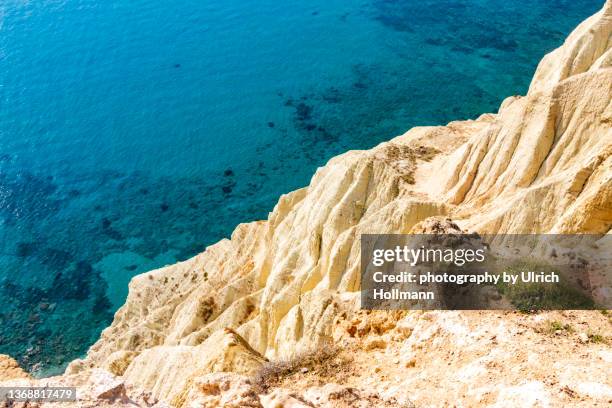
(135, 133)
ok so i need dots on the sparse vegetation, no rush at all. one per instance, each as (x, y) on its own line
(597, 338)
(322, 362)
(554, 326)
(529, 297)
(607, 314)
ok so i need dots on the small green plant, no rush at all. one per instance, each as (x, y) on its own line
(597, 338)
(529, 297)
(554, 326)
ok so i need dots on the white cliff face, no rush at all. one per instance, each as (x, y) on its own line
(542, 164)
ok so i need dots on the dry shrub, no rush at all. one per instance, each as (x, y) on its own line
(321, 361)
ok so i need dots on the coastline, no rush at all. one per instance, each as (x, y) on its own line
(277, 287)
(180, 139)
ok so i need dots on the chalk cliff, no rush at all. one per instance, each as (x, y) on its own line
(285, 286)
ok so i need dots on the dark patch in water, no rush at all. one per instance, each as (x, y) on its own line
(270, 124)
(463, 49)
(397, 22)
(228, 173)
(132, 267)
(25, 249)
(468, 24)
(189, 251)
(303, 111)
(164, 207)
(56, 258)
(110, 232)
(435, 41)
(113, 234)
(101, 305)
(106, 223)
(74, 283)
(332, 95)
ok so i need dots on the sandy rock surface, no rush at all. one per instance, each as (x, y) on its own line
(9, 369)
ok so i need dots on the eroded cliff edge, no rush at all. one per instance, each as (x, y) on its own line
(281, 287)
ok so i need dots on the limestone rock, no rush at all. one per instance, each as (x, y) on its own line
(337, 396)
(229, 390)
(10, 369)
(168, 370)
(281, 399)
(221, 390)
(108, 387)
(96, 388)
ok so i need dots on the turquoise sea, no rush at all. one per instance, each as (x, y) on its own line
(135, 133)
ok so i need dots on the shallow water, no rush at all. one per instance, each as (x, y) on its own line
(135, 133)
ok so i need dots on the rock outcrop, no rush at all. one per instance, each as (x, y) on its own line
(542, 164)
(95, 388)
(9, 369)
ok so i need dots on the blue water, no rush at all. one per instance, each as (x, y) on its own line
(135, 133)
